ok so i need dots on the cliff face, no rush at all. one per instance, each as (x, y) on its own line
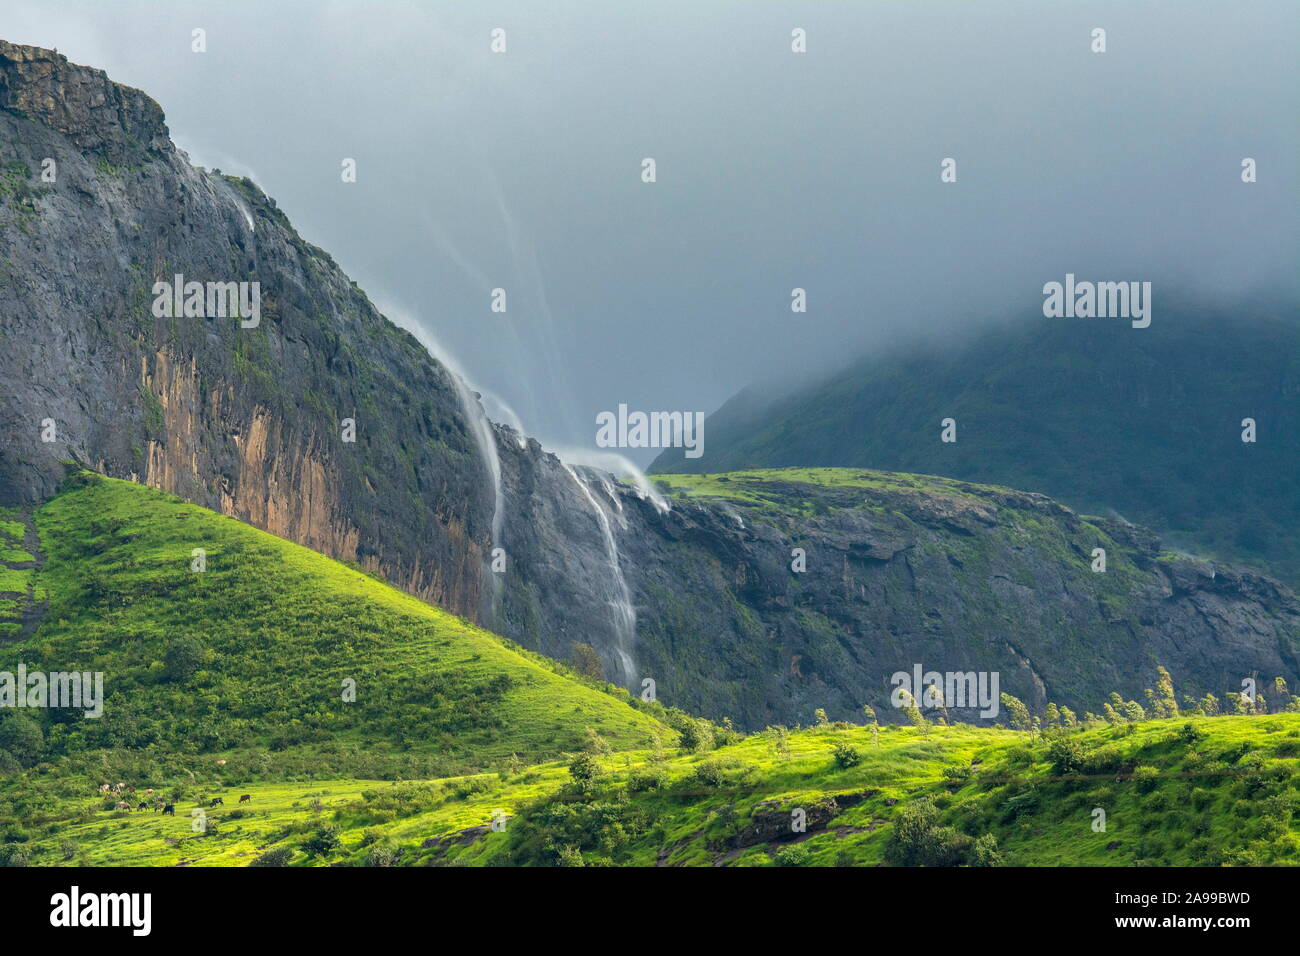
(699, 597)
(244, 420)
(900, 571)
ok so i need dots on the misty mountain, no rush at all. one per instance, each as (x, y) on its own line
(1146, 424)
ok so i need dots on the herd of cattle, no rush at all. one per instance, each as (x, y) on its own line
(155, 803)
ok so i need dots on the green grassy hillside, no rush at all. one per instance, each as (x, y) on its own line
(1198, 791)
(248, 658)
(462, 750)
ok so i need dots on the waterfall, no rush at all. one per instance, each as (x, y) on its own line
(481, 431)
(618, 596)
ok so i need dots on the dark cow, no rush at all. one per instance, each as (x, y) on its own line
(144, 805)
(216, 800)
(169, 810)
(246, 798)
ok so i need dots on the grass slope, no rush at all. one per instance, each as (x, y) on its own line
(250, 704)
(1200, 791)
(248, 658)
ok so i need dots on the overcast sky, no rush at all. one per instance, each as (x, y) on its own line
(775, 170)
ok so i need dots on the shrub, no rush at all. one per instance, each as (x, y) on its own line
(917, 839)
(15, 854)
(381, 854)
(955, 776)
(709, 774)
(1066, 755)
(570, 856)
(584, 768)
(846, 756)
(323, 842)
(182, 659)
(279, 856)
(796, 855)
(643, 781)
(1190, 734)
(984, 851)
(23, 738)
(1146, 778)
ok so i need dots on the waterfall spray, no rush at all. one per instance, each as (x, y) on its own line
(619, 596)
(481, 431)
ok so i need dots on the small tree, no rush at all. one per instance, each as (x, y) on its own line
(1053, 716)
(1282, 693)
(1166, 702)
(323, 842)
(584, 768)
(182, 659)
(985, 852)
(913, 712)
(586, 661)
(1017, 713)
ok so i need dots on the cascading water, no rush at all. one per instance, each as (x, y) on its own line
(618, 595)
(481, 430)
(486, 440)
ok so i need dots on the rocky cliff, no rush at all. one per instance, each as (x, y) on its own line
(696, 593)
(248, 421)
(899, 571)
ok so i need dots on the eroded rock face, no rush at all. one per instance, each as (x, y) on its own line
(952, 577)
(699, 598)
(243, 420)
(96, 114)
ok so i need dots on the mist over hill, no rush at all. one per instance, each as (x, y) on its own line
(1144, 424)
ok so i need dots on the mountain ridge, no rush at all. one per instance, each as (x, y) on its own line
(1146, 424)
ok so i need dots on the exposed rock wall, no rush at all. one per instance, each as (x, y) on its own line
(244, 420)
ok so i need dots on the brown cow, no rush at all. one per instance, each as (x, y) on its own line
(246, 798)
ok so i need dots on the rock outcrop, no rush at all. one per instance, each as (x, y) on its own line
(248, 421)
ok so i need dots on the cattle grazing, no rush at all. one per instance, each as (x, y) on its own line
(144, 805)
(216, 800)
(123, 805)
(246, 798)
(103, 788)
(169, 810)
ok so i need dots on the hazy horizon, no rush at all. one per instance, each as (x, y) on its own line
(775, 170)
